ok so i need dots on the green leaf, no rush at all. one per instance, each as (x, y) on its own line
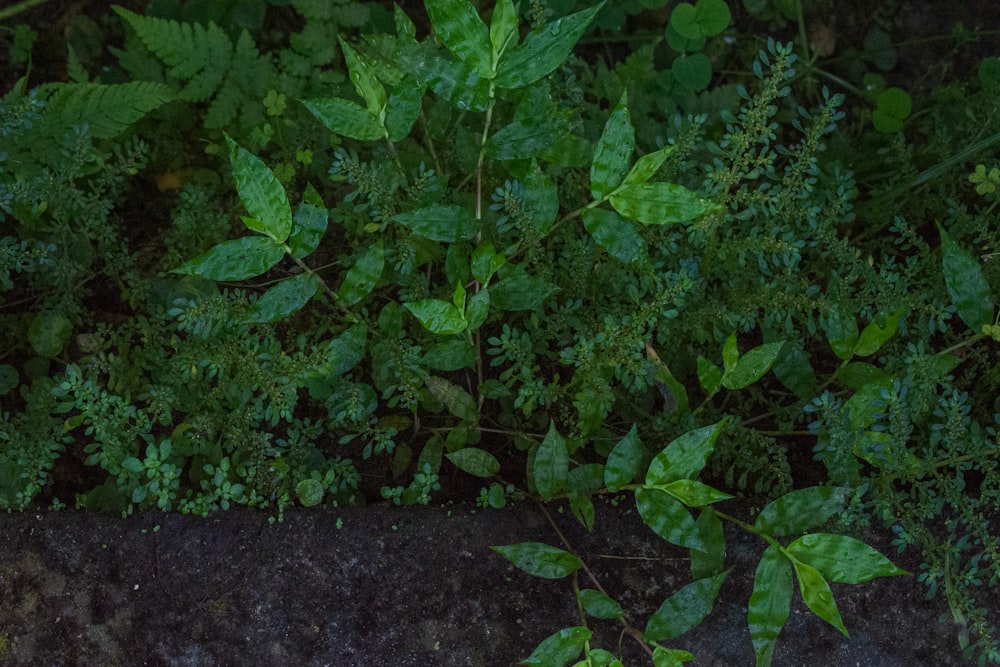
(283, 299)
(440, 222)
(503, 27)
(308, 224)
(519, 291)
(692, 70)
(616, 235)
(798, 511)
(526, 138)
(485, 262)
(710, 562)
(543, 50)
(362, 277)
(583, 509)
(694, 493)
(456, 82)
(541, 200)
(709, 375)
(365, 80)
(599, 605)
(770, 603)
(623, 461)
(892, 107)
(438, 316)
(346, 118)
(457, 24)
(403, 108)
(685, 456)
(730, 354)
(261, 192)
(874, 336)
(842, 559)
(857, 374)
(667, 517)
(456, 399)
(238, 259)
(551, 465)
(476, 462)
(478, 309)
(450, 355)
(647, 166)
(817, 595)
(48, 333)
(559, 648)
(540, 560)
(659, 203)
(614, 151)
(684, 609)
(347, 350)
(309, 492)
(966, 284)
(793, 370)
(841, 332)
(670, 657)
(752, 366)
(664, 378)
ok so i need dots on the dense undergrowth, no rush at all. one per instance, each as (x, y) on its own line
(252, 253)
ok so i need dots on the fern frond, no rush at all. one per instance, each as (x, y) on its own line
(198, 54)
(107, 109)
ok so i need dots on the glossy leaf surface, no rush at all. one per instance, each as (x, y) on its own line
(770, 603)
(262, 194)
(237, 259)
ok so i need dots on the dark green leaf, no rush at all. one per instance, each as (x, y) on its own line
(966, 284)
(440, 222)
(647, 166)
(450, 355)
(456, 399)
(874, 336)
(438, 316)
(346, 118)
(309, 492)
(684, 457)
(794, 371)
(614, 151)
(710, 562)
(347, 350)
(541, 200)
(586, 478)
(842, 559)
(669, 518)
(616, 235)
(362, 277)
(485, 262)
(476, 462)
(752, 366)
(659, 203)
(623, 461)
(283, 299)
(817, 595)
(456, 82)
(238, 259)
(583, 509)
(684, 609)
(770, 603)
(559, 649)
(262, 194)
(540, 560)
(599, 605)
(308, 225)
(49, 332)
(693, 493)
(551, 466)
(841, 331)
(709, 375)
(403, 108)
(798, 511)
(457, 24)
(520, 291)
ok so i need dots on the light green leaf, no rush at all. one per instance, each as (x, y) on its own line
(684, 609)
(647, 166)
(48, 333)
(440, 222)
(752, 366)
(560, 648)
(694, 493)
(966, 284)
(543, 50)
(623, 461)
(614, 151)
(309, 492)
(874, 336)
(670, 657)
(238, 259)
(659, 203)
(262, 194)
(308, 225)
(685, 456)
(770, 602)
(798, 511)
(730, 355)
(503, 27)
(841, 331)
(456, 399)
(817, 595)
(842, 559)
(283, 299)
(709, 375)
(599, 605)
(541, 200)
(616, 235)
(667, 517)
(362, 277)
(457, 24)
(540, 560)
(551, 465)
(365, 80)
(438, 316)
(346, 118)
(476, 462)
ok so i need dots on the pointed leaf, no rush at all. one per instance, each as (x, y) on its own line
(365, 80)
(438, 316)
(684, 457)
(450, 355)
(485, 262)
(730, 354)
(623, 461)
(346, 118)
(551, 466)
(798, 511)
(560, 648)
(519, 291)
(684, 609)
(842, 559)
(308, 225)
(874, 336)
(583, 509)
(599, 605)
(616, 235)
(710, 562)
(457, 24)
(709, 375)
(478, 308)
(238, 259)
(614, 151)
(283, 299)
(362, 277)
(664, 378)
(659, 203)
(540, 560)
(693, 493)
(456, 399)
(770, 602)
(667, 517)
(440, 222)
(966, 284)
(817, 595)
(476, 462)
(503, 27)
(527, 137)
(646, 166)
(841, 332)
(454, 81)
(346, 350)
(261, 192)
(752, 366)
(403, 108)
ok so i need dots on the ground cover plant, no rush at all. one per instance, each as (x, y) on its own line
(255, 253)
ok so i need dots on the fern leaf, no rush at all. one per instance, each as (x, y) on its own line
(107, 109)
(195, 53)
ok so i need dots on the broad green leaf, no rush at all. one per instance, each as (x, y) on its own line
(966, 284)
(704, 19)
(752, 366)
(616, 235)
(456, 399)
(860, 408)
(667, 517)
(874, 336)
(346, 118)
(457, 24)
(598, 657)
(770, 603)
(283, 299)
(614, 151)
(817, 595)
(684, 457)
(692, 71)
(308, 225)
(659, 203)
(403, 108)
(646, 166)
(440, 222)
(519, 291)
(857, 374)
(309, 492)
(670, 657)
(478, 309)
(543, 49)
(798, 511)
(541, 200)
(793, 370)
(238, 259)
(485, 262)
(710, 562)
(365, 80)
(48, 333)
(456, 82)
(599, 605)
(551, 465)
(560, 648)
(694, 493)
(540, 560)
(503, 27)
(583, 509)
(842, 559)
(438, 316)
(684, 609)
(261, 192)
(586, 479)
(450, 355)
(527, 137)
(709, 375)
(346, 350)
(476, 462)
(664, 378)
(362, 277)
(841, 331)
(623, 461)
